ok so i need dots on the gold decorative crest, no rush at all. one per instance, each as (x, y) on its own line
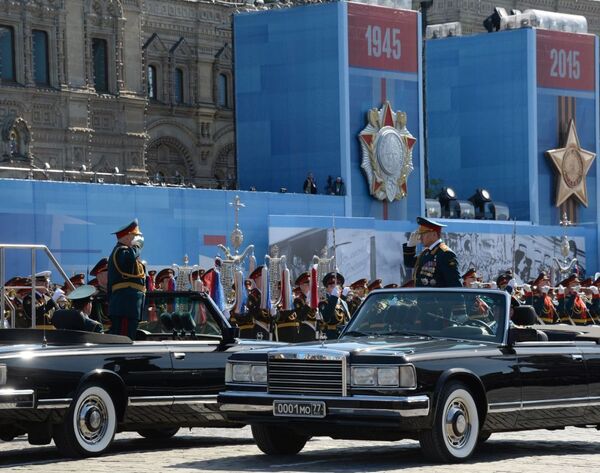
(387, 152)
(572, 164)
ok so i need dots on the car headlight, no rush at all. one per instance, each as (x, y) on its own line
(246, 373)
(384, 376)
(364, 376)
(3, 375)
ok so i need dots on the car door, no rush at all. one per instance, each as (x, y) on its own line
(591, 356)
(554, 384)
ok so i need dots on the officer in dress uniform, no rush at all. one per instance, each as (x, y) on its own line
(359, 291)
(44, 303)
(100, 300)
(536, 294)
(571, 307)
(78, 316)
(333, 309)
(307, 316)
(436, 266)
(126, 281)
(261, 317)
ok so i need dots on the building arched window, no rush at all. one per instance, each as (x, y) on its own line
(7, 53)
(222, 91)
(152, 83)
(178, 83)
(100, 64)
(41, 69)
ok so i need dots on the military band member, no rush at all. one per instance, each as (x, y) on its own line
(333, 309)
(436, 265)
(536, 294)
(78, 317)
(307, 316)
(359, 292)
(100, 300)
(374, 285)
(44, 303)
(470, 278)
(126, 281)
(571, 307)
(165, 280)
(261, 317)
(391, 285)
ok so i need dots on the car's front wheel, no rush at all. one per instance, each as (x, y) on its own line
(453, 436)
(89, 425)
(156, 434)
(276, 440)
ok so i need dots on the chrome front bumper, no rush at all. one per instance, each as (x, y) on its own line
(17, 398)
(371, 406)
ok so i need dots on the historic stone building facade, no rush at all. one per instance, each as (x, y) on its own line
(471, 13)
(144, 86)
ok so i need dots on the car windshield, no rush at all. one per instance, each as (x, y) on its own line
(166, 312)
(464, 314)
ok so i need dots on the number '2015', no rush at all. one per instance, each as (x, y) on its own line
(565, 64)
(383, 42)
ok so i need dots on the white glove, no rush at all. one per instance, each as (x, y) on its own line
(493, 285)
(575, 288)
(545, 289)
(58, 294)
(561, 290)
(526, 287)
(413, 239)
(335, 292)
(594, 290)
(138, 241)
(345, 291)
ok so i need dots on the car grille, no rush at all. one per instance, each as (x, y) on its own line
(307, 377)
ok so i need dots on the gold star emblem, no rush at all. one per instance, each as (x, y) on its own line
(572, 164)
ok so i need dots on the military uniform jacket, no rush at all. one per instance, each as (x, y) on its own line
(44, 305)
(334, 311)
(100, 307)
(126, 282)
(72, 319)
(572, 307)
(544, 308)
(434, 267)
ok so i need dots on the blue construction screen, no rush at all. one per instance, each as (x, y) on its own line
(478, 100)
(287, 93)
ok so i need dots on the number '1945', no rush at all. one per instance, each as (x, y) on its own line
(383, 42)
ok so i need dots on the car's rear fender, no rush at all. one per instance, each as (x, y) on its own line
(471, 380)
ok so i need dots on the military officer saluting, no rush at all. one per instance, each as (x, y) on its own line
(436, 266)
(126, 281)
(333, 308)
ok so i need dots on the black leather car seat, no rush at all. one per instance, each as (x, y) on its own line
(525, 316)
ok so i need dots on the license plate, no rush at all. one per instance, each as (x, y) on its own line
(299, 409)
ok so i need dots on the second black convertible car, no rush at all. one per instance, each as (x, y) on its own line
(446, 367)
(80, 388)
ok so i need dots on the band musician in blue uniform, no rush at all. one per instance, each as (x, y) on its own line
(436, 265)
(126, 281)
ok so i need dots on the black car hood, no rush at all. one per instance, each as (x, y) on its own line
(397, 346)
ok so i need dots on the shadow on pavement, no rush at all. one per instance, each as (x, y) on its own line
(384, 458)
(24, 453)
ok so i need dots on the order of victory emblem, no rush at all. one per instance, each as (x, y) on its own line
(387, 153)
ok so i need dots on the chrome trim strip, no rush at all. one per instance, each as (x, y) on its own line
(171, 400)
(409, 412)
(7, 398)
(543, 404)
(324, 355)
(63, 403)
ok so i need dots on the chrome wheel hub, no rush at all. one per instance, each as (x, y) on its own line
(92, 420)
(457, 424)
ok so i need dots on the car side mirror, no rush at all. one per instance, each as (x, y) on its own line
(231, 333)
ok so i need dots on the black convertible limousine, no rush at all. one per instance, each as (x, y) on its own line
(80, 388)
(448, 367)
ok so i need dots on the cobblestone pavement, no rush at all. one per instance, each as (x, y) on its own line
(232, 450)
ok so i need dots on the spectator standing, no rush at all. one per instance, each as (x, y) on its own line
(310, 186)
(339, 188)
